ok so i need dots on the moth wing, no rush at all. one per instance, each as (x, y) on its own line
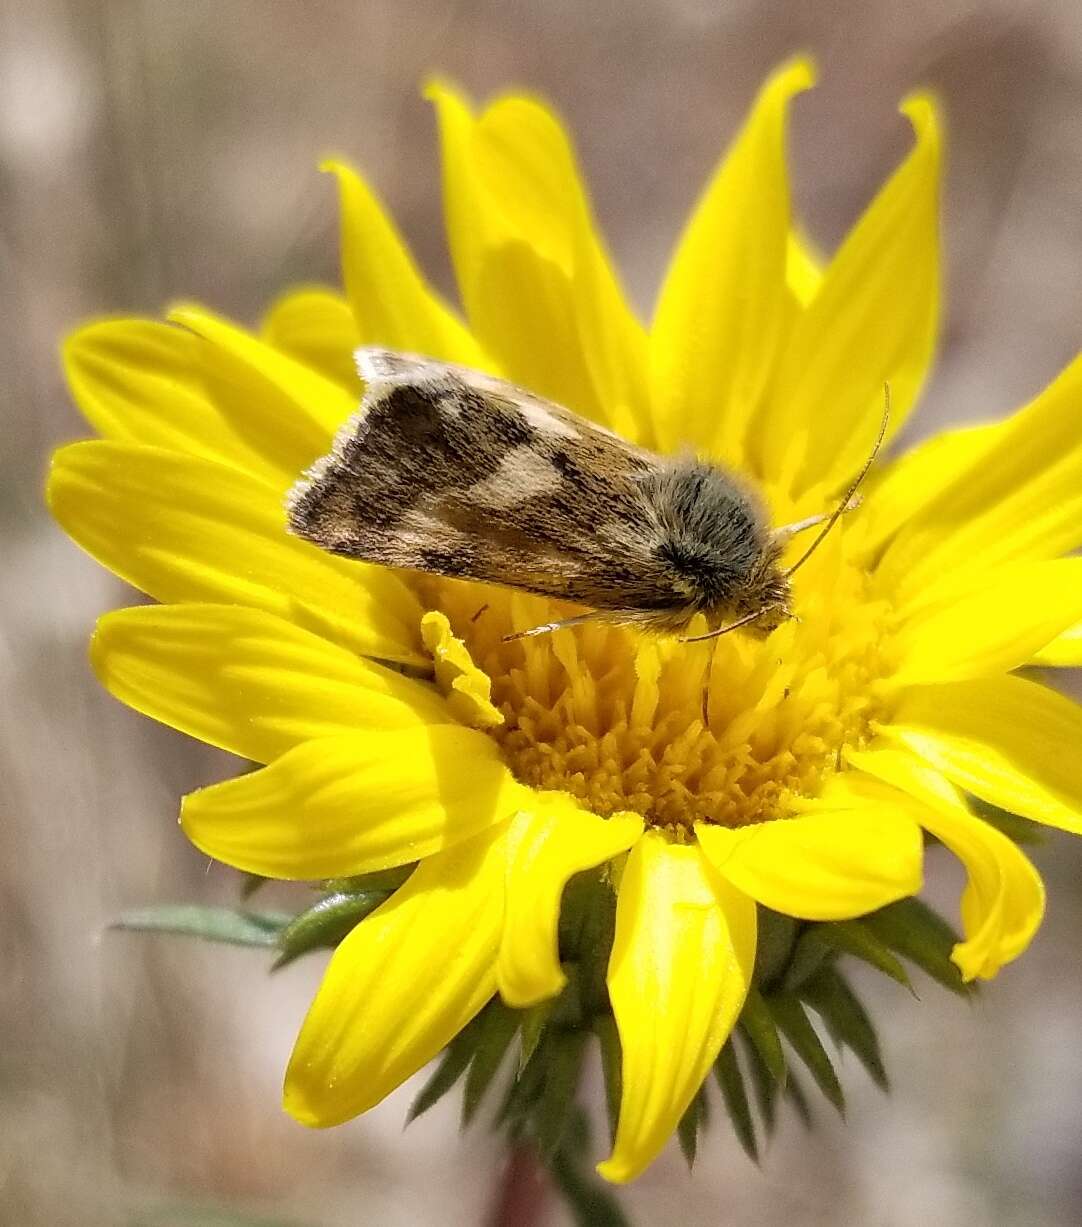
(380, 367)
(458, 473)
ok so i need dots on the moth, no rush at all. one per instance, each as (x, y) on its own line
(449, 471)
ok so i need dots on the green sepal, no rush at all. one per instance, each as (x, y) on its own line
(759, 1026)
(326, 923)
(592, 1203)
(587, 926)
(767, 1088)
(797, 1028)
(233, 926)
(563, 1053)
(810, 952)
(855, 938)
(496, 1028)
(690, 1126)
(612, 1066)
(453, 1064)
(913, 930)
(831, 997)
(534, 1022)
(250, 883)
(797, 1096)
(776, 935)
(388, 880)
(734, 1093)
(1018, 830)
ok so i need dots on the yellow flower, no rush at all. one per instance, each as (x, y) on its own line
(398, 727)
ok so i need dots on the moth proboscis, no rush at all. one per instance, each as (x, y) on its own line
(456, 473)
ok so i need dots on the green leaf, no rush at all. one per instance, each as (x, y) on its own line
(758, 1025)
(326, 923)
(796, 1026)
(592, 1203)
(691, 1123)
(456, 1057)
(731, 1081)
(612, 1067)
(497, 1025)
(913, 930)
(563, 1052)
(833, 999)
(234, 926)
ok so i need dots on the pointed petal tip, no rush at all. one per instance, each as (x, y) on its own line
(798, 73)
(438, 88)
(333, 164)
(924, 111)
(617, 1171)
(298, 1104)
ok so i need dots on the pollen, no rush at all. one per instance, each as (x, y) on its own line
(729, 731)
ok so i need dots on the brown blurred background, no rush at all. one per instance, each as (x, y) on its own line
(156, 150)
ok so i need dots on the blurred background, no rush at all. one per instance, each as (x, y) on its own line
(155, 150)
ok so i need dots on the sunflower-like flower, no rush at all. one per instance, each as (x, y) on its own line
(702, 783)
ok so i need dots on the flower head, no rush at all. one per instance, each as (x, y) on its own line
(698, 780)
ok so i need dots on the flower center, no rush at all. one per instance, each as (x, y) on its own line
(722, 731)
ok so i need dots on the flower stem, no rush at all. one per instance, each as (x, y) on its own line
(523, 1190)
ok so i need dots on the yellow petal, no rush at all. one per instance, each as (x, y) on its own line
(680, 969)
(392, 303)
(402, 984)
(549, 842)
(355, 803)
(1007, 740)
(142, 382)
(528, 174)
(1020, 498)
(1004, 900)
(524, 314)
(283, 409)
(247, 681)
(316, 326)
(912, 481)
(823, 864)
(992, 624)
(873, 319)
(538, 288)
(725, 301)
(1065, 651)
(182, 528)
(465, 235)
(803, 267)
(467, 688)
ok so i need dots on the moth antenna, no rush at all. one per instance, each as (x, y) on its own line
(733, 626)
(548, 627)
(843, 506)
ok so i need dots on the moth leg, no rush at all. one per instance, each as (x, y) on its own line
(548, 627)
(786, 531)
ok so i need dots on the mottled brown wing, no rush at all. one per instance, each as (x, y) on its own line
(454, 472)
